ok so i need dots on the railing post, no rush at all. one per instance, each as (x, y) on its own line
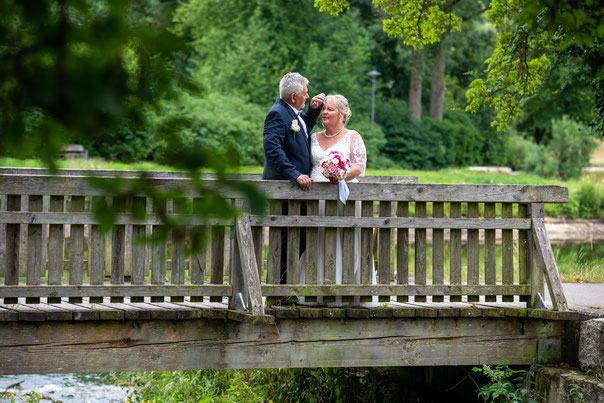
(535, 274)
(245, 278)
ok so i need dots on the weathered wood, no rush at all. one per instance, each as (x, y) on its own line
(80, 186)
(548, 264)
(76, 248)
(420, 250)
(384, 246)
(200, 238)
(289, 343)
(393, 289)
(56, 247)
(274, 247)
(34, 248)
(438, 250)
(455, 250)
(312, 247)
(116, 290)
(251, 280)
(523, 251)
(293, 246)
(367, 264)
(473, 252)
(490, 251)
(13, 236)
(158, 256)
(536, 274)
(217, 263)
(178, 249)
(139, 247)
(507, 251)
(402, 249)
(329, 276)
(348, 248)
(258, 239)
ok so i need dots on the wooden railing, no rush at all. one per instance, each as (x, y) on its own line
(45, 218)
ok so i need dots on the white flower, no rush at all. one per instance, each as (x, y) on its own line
(295, 127)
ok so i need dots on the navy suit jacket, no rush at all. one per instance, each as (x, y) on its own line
(286, 156)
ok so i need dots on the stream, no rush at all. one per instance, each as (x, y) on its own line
(72, 388)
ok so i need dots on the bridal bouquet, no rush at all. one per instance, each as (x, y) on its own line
(335, 166)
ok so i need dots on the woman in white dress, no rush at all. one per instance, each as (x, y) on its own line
(336, 137)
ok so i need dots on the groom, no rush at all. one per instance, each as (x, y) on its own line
(287, 144)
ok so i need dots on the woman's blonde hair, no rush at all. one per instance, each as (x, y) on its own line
(342, 106)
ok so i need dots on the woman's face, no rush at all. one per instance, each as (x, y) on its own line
(330, 114)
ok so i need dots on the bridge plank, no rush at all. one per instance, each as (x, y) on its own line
(367, 264)
(384, 246)
(78, 346)
(420, 250)
(473, 248)
(523, 251)
(293, 246)
(96, 261)
(438, 250)
(402, 249)
(329, 265)
(312, 248)
(118, 245)
(138, 246)
(80, 186)
(34, 248)
(13, 237)
(349, 249)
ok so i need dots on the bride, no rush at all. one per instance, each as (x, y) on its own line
(336, 137)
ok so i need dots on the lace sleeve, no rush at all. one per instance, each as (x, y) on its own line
(358, 154)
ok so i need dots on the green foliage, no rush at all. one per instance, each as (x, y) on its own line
(282, 385)
(506, 384)
(217, 122)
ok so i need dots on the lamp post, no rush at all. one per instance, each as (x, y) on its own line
(373, 74)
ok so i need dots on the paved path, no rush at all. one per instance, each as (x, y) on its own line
(587, 295)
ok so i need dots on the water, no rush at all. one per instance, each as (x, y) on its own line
(80, 388)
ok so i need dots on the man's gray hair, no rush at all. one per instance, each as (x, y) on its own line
(291, 83)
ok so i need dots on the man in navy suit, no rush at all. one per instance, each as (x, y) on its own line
(287, 143)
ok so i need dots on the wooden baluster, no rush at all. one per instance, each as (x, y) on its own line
(217, 262)
(312, 248)
(402, 250)
(384, 235)
(76, 248)
(96, 254)
(367, 264)
(438, 250)
(13, 238)
(523, 252)
(178, 249)
(293, 246)
(56, 247)
(348, 250)
(536, 276)
(199, 240)
(473, 253)
(158, 252)
(34, 248)
(274, 252)
(420, 251)
(258, 240)
(490, 252)
(139, 248)
(329, 277)
(455, 251)
(507, 252)
(118, 245)
(2, 238)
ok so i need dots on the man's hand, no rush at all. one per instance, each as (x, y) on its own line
(304, 181)
(317, 101)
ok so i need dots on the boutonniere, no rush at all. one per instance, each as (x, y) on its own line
(295, 127)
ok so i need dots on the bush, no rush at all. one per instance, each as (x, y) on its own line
(517, 149)
(566, 153)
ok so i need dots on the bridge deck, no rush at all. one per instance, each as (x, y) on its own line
(188, 310)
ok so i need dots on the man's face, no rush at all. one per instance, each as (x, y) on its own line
(298, 101)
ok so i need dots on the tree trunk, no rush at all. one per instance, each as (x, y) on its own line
(415, 85)
(438, 87)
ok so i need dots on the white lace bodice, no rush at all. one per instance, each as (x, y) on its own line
(350, 145)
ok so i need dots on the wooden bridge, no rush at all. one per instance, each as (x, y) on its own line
(76, 299)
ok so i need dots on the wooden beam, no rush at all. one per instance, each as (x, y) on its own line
(548, 264)
(251, 279)
(144, 345)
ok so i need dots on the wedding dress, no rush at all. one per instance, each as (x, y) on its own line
(352, 147)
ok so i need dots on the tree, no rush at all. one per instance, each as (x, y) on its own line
(530, 34)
